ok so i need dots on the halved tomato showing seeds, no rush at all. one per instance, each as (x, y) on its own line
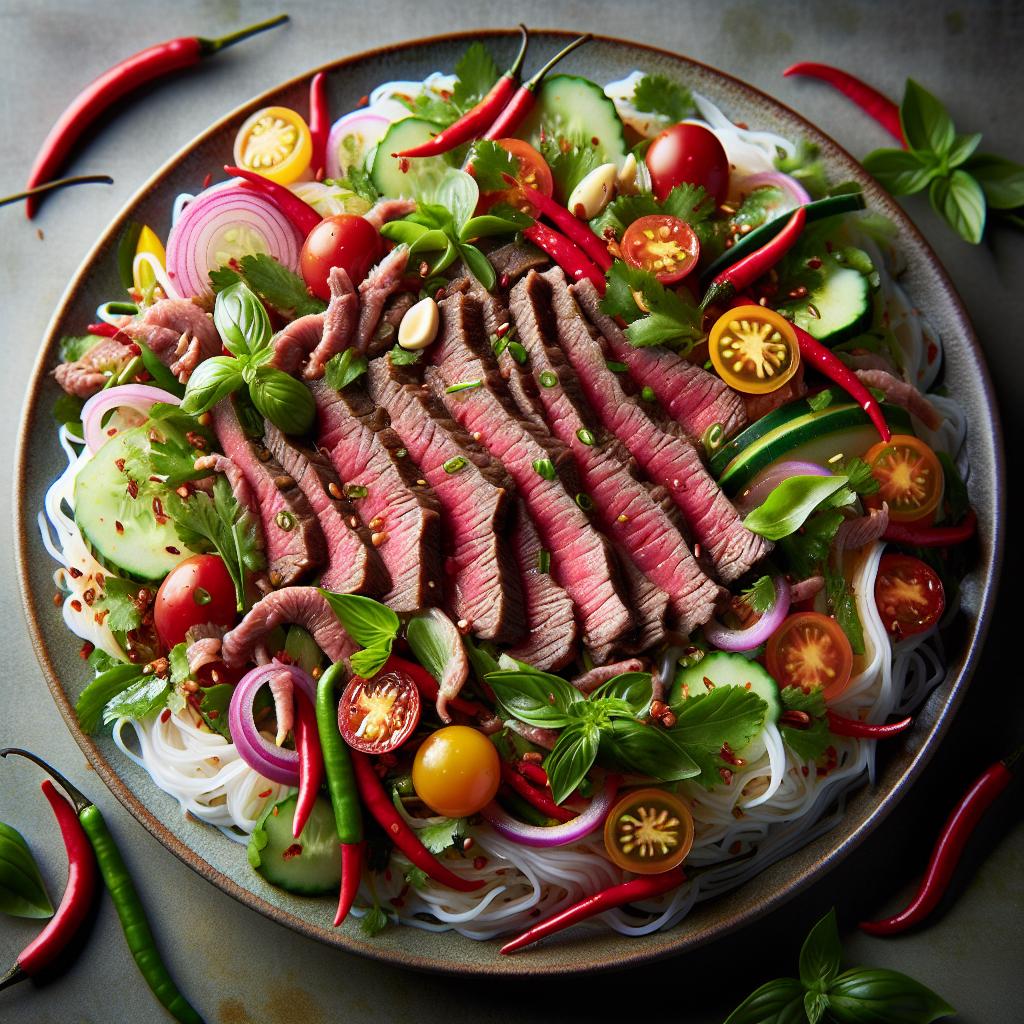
(533, 171)
(909, 477)
(810, 649)
(378, 715)
(666, 246)
(909, 595)
(754, 349)
(648, 831)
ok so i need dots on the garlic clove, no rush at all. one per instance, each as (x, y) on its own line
(627, 177)
(419, 325)
(594, 192)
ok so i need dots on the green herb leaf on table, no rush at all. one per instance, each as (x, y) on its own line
(790, 504)
(879, 996)
(1001, 180)
(901, 171)
(776, 1002)
(657, 94)
(926, 124)
(821, 954)
(959, 199)
(342, 369)
(810, 743)
(22, 890)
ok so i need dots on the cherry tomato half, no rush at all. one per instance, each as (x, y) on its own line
(664, 245)
(909, 476)
(276, 143)
(196, 591)
(754, 349)
(344, 240)
(810, 649)
(456, 771)
(378, 715)
(648, 831)
(688, 153)
(909, 595)
(533, 171)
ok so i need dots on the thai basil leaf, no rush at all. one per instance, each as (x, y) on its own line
(778, 1002)
(646, 750)
(479, 265)
(925, 121)
(901, 171)
(533, 697)
(212, 380)
(22, 891)
(815, 1005)
(959, 199)
(634, 688)
(567, 765)
(1001, 180)
(821, 954)
(369, 623)
(459, 193)
(843, 606)
(285, 401)
(962, 150)
(142, 698)
(104, 688)
(369, 661)
(241, 320)
(877, 996)
(789, 505)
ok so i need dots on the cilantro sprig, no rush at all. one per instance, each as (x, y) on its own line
(657, 94)
(664, 318)
(276, 285)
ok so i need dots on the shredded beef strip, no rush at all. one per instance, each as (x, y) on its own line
(513, 260)
(90, 373)
(380, 284)
(179, 333)
(899, 392)
(589, 681)
(388, 209)
(391, 319)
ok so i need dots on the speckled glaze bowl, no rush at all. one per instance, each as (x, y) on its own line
(40, 460)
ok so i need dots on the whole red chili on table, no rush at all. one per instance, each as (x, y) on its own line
(131, 73)
(319, 123)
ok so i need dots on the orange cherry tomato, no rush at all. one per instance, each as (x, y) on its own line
(378, 715)
(754, 349)
(456, 771)
(909, 477)
(648, 831)
(810, 649)
(909, 595)
(276, 143)
(533, 171)
(664, 245)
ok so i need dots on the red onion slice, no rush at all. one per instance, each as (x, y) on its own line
(765, 482)
(543, 837)
(367, 129)
(274, 763)
(222, 223)
(139, 397)
(794, 194)
(736, 640)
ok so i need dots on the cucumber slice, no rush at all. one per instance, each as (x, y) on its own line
(843, 305)
(576, 110)
(842, 431)
(412, 176)
(126, 532)
(723, 669)
(309, 865)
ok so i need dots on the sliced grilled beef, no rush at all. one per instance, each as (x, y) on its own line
(476, 496)
(667, 459)
(295, 542)
(354, 565)
(689, 394)
(90, 373)
(649, 604)
(515, 259)
(551, 638)
(393, 499)
(628, 512)
(395, 309)
(581, 558)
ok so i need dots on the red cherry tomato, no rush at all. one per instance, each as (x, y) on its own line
(688, 153)
(533, 171)
(343, 240)
(664, 245)
(378, 715)
(195, 592)
(909, 595)
(810, 649)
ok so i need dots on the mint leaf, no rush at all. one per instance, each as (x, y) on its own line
(656, 94)
(960, 201)
(926, 124)
(900, 171)
(1001, 180)
(789, 505)
(777, 1002)
(345, 367)
(810, 743)
(821, 954)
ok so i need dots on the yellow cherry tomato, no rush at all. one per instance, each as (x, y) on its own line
(648, 831)
(909, 475)
(276, 143)
(143, 277)
(754, 349)
(456, 771)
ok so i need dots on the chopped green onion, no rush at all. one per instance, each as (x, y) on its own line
(713, 437)
(499, 344)
(584, 501)
(465, 385)
(616, 367)
(545, 468)
(285, 520)
(201, 596)
(401, 453)
(647, 394)
(544, 561)
(586, 436)
(355, 491)
(519, 353)
(548, 379)
(454, 465)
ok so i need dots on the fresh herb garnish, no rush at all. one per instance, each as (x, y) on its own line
(119, 601)
(73, 348)
(276, 285)
(358, 180)
(821, 399)
(67, 411)
(790, 504)
(805, 165)
(657, 94)
(843, 607)
(22, 891)
(570, 163)
(370, 624)
(811, 742)
(140, 699)
(345, 367)
(690, 203)
(403, 356)
(374, 921)
(759, 597)
(807, 548)
(491, 163)
(442, 835)
(670, 319)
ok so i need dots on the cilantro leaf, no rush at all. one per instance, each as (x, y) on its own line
(416, 877)
(656, 94)
(821, 399)
(669, 319)
(73, 348)
(569, 164)
(404, 357)
(491, 163)
(178, 660)
(810, 743)
(374, 921)
(278, 286)
(358, 180)
(859, 477)
(440, 835)
(807, 548)
(172, 453)
(690, 203)
(843, 606)
(476, 72)
(430, 107)
(760, 596)
(142, 698)
(344, 368)
(118, 601)
(623, 210)
(213, 706)
(757, 207)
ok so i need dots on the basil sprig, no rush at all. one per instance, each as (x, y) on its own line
(790, 504)
(370, 624)
(962, 183)
(22, 892)
(861, 995)
(244, 327)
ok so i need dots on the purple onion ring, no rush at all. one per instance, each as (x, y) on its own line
(736, 640)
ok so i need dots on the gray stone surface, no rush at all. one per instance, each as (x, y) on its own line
(239, 967)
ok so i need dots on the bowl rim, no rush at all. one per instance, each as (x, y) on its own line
(990, 562)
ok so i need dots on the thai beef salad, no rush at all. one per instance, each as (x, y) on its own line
(509, 495)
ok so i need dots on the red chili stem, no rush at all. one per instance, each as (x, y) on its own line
(311, 760)
(946, 853)
(515, 111)
(576, 230)
(54, 186)
(351, 872)
(829, 365)
(566, 254)
(475, 121)
(746, 271)
(429, 689)
(869, 99)
(301, 215)
(319, 123)
(642, 888)
(533, 796)
(842, 726)
(932, 536)
(131, 73)
(377, 802)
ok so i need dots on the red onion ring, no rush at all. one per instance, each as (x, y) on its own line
(736, 640)
(274, 763)
(140, 397)
(372, 127)
(192, 243)
(790, 186)
(765, 482)
(543, 837)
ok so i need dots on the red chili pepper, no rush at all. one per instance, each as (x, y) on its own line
(566, 254)
(475, 122)
(351, 872)
(131, 73)
(946, 854)
(103, 330)
(932, 536)
(311, 760)
(74, 905)
(376, 801)
(319, 123)
(829, 365)
(746, 271)
(642, 888)
(429, 689)
(870, 100)
(533, 796)
(534, 772)
(302, 216)
(576, 230)
(842, 726)
(515, 111)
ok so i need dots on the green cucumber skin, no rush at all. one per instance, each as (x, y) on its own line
(386, 173)
(314, 871)
(725, 669)
(835, 322)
